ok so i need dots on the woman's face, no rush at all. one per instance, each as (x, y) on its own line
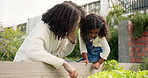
(76, 26)
(93, 33)
(72, 34)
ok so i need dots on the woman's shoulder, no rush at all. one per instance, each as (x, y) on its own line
(41, 25)
(40, 29)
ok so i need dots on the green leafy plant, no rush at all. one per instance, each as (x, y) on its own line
(111, 65)
(140, 21)
(10, 41)
(74, 59)
(115, 16)
(113, 43)
(112, 70)
(144, 65)
(141, 66)
(120, 74)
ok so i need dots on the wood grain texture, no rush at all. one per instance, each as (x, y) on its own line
(10, 69)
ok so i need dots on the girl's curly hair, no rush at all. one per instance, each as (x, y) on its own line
(93, 21)
(61, 18)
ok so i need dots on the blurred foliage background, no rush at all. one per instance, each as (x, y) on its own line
(10, 41)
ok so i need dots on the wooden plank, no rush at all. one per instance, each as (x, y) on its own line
(40, 70)
(128, 66)
(10, 69)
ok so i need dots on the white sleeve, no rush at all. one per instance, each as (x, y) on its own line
(35, 47)
(81, 44)
(35, 51)
(67, 48)
(105, 47)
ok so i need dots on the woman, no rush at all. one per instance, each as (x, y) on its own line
(54, 36)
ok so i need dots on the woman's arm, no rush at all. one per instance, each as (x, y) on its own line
(71, 70)
(35, 51)
(33, 48)
(67, 48)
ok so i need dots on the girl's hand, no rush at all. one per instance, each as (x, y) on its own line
(84, 61)
(96, 65)
(71, 70)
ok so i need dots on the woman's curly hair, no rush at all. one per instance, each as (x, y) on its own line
(61, 18)
(80, 8)
(93, 21)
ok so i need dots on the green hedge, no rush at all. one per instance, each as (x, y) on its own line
(113, 43)
(10, 41)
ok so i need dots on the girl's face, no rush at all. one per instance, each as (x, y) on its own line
(93, 33)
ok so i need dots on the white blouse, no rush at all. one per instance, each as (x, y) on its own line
(102, 42)
(41, 45)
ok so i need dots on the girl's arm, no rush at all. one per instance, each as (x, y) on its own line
(85, 56)
(82, 44)
(105, 47)
(86, 59)
(97, 64)
(83, 49)
(101, 60)
(104, 54)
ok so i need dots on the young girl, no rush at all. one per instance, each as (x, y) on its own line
(92, 37)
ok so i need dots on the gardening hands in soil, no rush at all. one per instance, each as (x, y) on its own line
(71, 70)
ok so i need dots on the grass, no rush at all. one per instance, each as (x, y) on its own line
(73, 59)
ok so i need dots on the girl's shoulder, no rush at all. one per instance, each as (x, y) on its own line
(98, 39)
(96, 42)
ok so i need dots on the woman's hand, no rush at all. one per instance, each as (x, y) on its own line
(71, 70)
(96, 65)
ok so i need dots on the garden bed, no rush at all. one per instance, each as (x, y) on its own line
(9, 69)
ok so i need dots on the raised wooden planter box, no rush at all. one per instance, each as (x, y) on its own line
(41, 70)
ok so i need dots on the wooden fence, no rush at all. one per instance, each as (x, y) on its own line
(10, 69)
